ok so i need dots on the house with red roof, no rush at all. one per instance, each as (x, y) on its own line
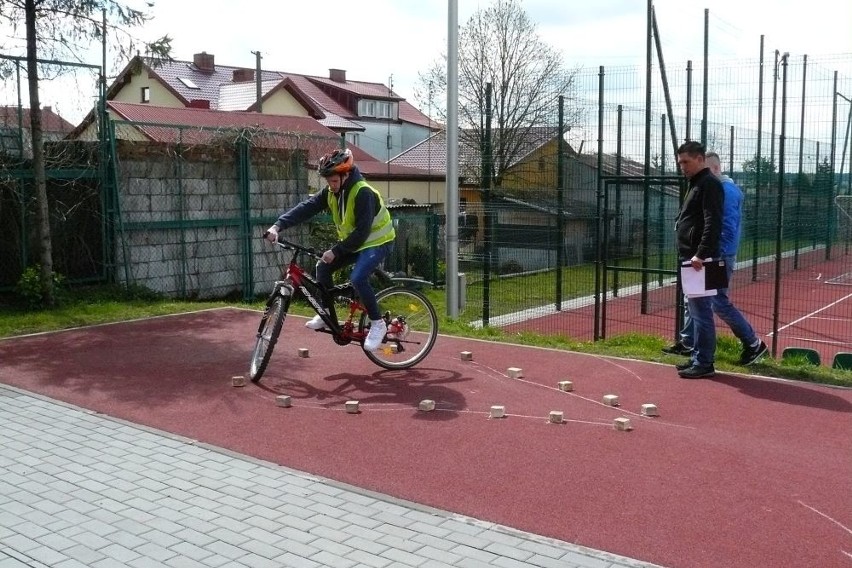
(192, 126)
(369, 115)
(524, 203)
(15, 140)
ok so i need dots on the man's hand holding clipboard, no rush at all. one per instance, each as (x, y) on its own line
(703, 277)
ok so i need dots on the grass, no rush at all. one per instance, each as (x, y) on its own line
(90, 306)
(95, 305)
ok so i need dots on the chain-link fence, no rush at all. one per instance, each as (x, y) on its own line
(72, 172)
(567, 222)
(543, 249)
(192, 203)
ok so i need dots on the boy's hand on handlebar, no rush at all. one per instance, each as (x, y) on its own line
(327, 257)
(271, 234)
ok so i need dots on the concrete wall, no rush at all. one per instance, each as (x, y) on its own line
(182, 219)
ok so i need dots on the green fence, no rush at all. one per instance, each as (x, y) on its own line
(580, 241)
(571, 234)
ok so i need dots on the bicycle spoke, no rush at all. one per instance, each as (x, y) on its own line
(412, 329)
(267, 335)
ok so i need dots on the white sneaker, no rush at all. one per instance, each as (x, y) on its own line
(315, 323)
(378, 328)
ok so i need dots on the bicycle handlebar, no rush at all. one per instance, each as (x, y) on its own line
(290, 245)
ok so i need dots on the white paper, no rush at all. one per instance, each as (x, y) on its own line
(702, 294)
(692, 282)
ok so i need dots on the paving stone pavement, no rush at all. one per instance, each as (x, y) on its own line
(80, 489)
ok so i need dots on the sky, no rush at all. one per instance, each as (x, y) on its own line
(390, 41)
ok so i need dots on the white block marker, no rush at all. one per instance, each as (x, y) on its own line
(283, 400)
(515, 372)
(238, 381)
(556, 417)
(427, 405)
(466, 356)
(566, 386)
(304, 353)
(610, 399)
(352, 406)
(650, 410)
(498, 412)
(622, 424)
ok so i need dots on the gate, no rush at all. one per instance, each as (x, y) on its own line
(637, 257)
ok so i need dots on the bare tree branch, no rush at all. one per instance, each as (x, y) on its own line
(499, 44)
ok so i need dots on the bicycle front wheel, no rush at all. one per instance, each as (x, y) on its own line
(268, 332)
(412, 329)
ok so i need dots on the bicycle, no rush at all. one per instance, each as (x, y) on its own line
(409, 315)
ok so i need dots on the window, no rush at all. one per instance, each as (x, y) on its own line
(353, 138)
(188, 83)
(145, 94)
(378, 109)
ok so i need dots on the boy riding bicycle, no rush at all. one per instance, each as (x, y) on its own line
(364, 230)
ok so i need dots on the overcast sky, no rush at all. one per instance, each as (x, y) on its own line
(374, 40)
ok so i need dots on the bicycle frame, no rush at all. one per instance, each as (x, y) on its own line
(296, 279)
(410, 319)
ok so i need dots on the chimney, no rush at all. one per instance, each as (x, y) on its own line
(241, 75)
(204, 61)
(47, 109)
(337, 75)
(199, 103)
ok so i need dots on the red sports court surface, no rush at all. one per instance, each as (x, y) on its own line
(736, 472)
(815, 312)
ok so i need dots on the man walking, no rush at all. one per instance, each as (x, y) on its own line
(698, 228)
(753, 348)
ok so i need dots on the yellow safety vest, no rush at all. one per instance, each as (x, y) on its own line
(382, 230)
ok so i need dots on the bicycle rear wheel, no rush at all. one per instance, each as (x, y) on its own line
(412, 328)
(268, 332)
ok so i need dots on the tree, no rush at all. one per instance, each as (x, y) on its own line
(823, 185)
(56, 29)
(500, 45)
(768, 173)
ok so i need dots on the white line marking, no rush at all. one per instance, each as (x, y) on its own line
(575, 395)
(829, 318)
(806, 316)
(838, 523)
(811, 340)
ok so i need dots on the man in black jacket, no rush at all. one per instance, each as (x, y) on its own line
(698, 227)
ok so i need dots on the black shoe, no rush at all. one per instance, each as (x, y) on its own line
(677, 349)
(751, 355)
(683, 366)
(695, 372)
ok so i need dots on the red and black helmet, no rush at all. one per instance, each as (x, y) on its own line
(338, 162)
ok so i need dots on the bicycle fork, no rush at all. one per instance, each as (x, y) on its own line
(282, 288)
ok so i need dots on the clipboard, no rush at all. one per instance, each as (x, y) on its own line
(697, 283)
